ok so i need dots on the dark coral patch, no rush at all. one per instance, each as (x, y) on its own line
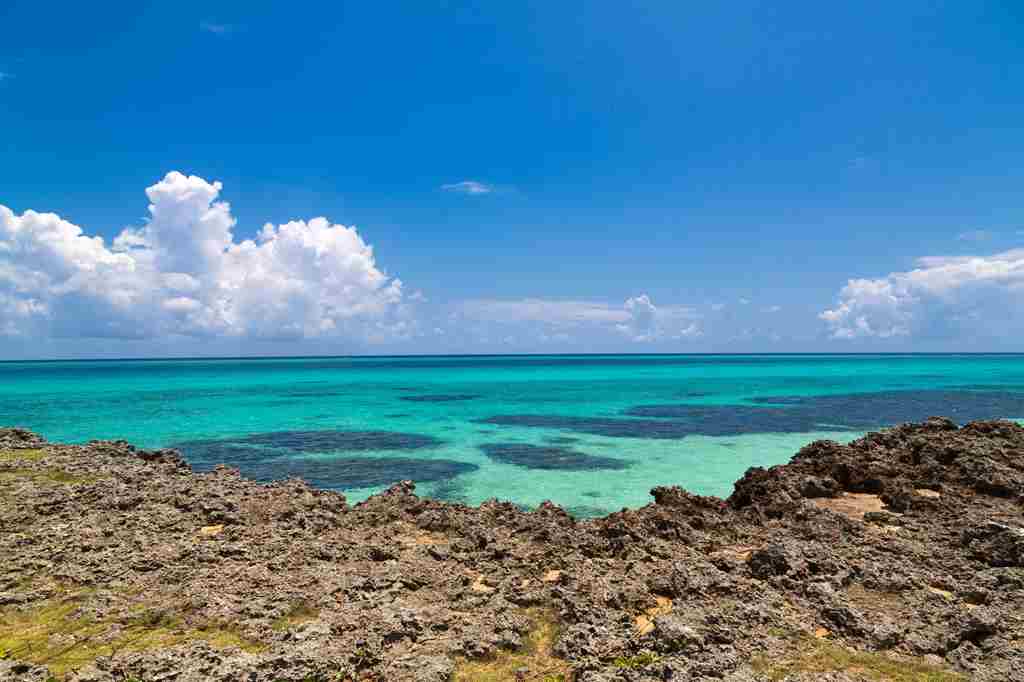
(728, 420)
(440, 398)
(783, 414)
(345, 473)
(273, 456)
(360, 472)
(548, 457)
(838, 412)
(262, 445)
(867, 410)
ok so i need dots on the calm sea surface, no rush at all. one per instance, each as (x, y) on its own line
(592, 433)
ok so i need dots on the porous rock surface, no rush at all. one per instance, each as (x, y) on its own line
(404, 588)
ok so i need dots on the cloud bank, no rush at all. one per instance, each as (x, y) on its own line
(638, 319)
(958, 296)
(184, 273)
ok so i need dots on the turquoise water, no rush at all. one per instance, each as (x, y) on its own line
(592, 433)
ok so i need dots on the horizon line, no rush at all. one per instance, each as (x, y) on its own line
(194, 358)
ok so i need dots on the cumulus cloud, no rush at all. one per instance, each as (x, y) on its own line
(183, 272)
(468, 187)
(942, 296)
(643, 319)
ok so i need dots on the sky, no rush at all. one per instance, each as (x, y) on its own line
(257, 178)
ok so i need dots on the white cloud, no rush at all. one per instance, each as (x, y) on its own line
(942, 296)
(184, 273)
(771, 309)
(647, 322)
(744, 301)
(643, 319)
(468, 187)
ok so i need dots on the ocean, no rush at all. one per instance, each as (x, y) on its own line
(593, 433)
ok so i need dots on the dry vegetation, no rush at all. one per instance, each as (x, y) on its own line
(43, 477)
(536, 657)
(301, 613)
(821, 656)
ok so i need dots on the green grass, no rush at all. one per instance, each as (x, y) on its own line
(44, 476)
(33, 455)
(638, 661)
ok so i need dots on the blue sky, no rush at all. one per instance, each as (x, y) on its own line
(541, 177)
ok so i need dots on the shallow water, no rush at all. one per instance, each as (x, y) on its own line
(592, 433)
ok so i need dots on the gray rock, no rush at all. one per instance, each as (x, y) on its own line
(995, 544)
(674, 634)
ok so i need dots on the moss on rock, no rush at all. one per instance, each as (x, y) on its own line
(61, 636)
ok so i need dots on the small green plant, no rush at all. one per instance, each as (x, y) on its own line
(300, 612)
(641, 660)
(362, 658)
(26, 455)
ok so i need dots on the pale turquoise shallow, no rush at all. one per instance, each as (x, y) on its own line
(592, 433)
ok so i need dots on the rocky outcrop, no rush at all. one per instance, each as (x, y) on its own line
(11, 439)
(907, 544)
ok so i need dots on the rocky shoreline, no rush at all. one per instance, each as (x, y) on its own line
(898, 556)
